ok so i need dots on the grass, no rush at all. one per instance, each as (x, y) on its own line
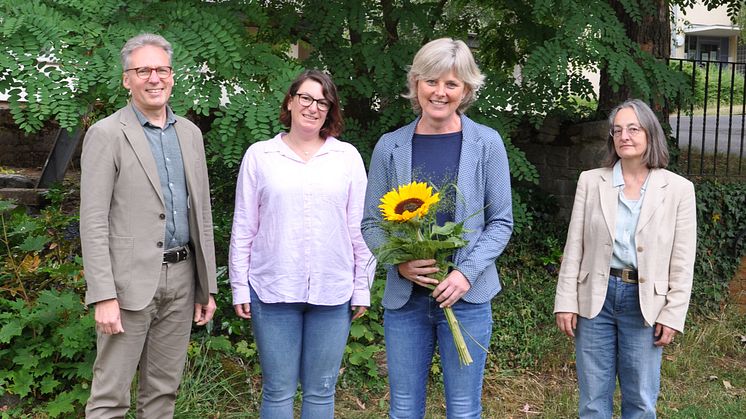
(703, 376)
(712, 165)
(711, 110)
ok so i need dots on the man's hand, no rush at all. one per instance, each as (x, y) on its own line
(451, 289)
(108, 318)
(203, 314)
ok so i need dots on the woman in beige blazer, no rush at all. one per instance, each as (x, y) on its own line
(626, 274)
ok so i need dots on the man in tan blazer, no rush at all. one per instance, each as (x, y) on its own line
(146, 231)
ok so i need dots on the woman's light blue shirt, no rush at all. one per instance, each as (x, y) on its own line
(628, 212)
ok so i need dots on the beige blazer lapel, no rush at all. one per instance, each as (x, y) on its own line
(135, 135)
(655, 195)
(609, 201)
(187, 155)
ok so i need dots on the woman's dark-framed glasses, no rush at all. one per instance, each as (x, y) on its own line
(163, 72)
(307, 100)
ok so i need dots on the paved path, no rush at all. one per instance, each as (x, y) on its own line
(712, 132)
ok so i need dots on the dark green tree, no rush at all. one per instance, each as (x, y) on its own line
(60, 61)
(550, 43)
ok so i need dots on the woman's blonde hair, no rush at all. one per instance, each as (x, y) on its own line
(438, 57)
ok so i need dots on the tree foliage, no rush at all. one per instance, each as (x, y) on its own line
(61, 62)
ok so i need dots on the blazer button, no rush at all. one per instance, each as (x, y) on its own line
(641, 280)
(639, 248)
(159, 244)
(162, 216)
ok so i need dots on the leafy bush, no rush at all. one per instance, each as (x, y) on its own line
(706, 83)
(721, 226)
(46, 339)
(365, 348)
(48, 351)
(523, 329)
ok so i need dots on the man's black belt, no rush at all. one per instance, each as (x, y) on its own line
(176, 255)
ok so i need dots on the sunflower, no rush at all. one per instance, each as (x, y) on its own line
(409, 201)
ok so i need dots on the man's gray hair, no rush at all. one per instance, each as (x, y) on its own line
(142, 40)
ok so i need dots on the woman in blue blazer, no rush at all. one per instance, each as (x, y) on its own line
(442, 146)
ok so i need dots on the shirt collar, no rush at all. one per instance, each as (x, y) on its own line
(617, 179)
(276, 145)
(170, 117)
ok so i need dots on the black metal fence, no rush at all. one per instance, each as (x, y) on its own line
(709, 126)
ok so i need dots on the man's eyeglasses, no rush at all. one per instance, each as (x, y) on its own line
(307, 100)
(633, 131)
(163, 72)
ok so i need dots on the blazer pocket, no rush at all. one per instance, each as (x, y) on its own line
(661, 288)
(121, 250)
(583, 276)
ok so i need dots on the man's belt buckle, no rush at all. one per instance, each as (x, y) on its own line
(174, 256)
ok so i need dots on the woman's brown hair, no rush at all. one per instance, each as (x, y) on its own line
(333, 125)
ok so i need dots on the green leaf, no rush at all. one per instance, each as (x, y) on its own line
(34, 243)
(6, 205)
(26, 359)
(48, 384)
(220, 343)
(22, 382)
(10, 330)
(357, 330)
(66, 401)
(246, 350)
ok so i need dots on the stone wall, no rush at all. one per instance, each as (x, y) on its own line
(560, 153)
(25, 150)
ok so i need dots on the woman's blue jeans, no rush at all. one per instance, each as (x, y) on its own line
(411, 334)
(304, 343)
(616, 343)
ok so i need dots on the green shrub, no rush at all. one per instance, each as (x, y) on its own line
(46, 338)
(720, 220)
(47, 351)
(729, 82)
(523, 330)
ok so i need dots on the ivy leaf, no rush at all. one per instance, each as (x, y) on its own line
(22, 381)
(245, 350)
(48, 384)
(6, 205)
(10, 330)
(357, 330)
(220, 343)
(63, 403)
(34, 243)
(25, 359)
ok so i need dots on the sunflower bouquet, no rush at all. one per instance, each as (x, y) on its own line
(412, 232)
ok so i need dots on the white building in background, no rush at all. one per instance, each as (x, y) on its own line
(708, 35)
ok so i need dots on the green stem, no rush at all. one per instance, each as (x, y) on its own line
(464, 356)
(12, 261)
